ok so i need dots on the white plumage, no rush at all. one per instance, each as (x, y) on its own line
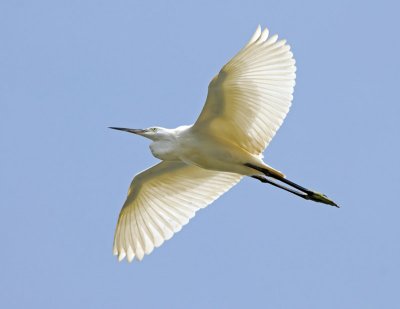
(246, 104)
(249, 98)
(161, 200)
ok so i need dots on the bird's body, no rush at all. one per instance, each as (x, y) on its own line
(247, 102)
(195, 147)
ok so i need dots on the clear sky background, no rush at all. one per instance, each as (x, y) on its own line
(70, 69)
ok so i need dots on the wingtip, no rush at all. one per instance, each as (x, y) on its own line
(130, 255)
(255, 36)
(121, 256)
(264, 35)
(272, 39)
(258, 31)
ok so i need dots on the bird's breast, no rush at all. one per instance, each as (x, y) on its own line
(164, 150)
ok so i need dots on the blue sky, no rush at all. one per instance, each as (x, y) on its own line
(70, 69)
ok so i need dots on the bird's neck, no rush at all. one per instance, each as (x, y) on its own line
(167, 144)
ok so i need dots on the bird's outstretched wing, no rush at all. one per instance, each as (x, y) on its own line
(249, 98)
(161, 200)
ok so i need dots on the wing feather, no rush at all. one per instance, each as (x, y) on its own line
(250, 97)
(160, 201)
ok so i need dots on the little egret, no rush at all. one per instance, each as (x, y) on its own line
(246, 104)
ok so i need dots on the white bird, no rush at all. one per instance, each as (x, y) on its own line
(247, 102)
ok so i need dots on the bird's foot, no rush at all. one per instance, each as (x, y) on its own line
(320, 198)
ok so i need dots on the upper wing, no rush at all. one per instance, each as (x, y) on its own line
(249, 98)
(161, 200)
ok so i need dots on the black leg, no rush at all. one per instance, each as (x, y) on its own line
(309, 195)
(265, 180)
(284, 180)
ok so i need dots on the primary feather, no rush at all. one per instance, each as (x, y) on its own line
(161, 200)
(249, 98)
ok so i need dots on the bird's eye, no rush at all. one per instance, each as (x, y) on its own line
(154, 129)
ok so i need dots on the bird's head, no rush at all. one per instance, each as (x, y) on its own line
(153, 133)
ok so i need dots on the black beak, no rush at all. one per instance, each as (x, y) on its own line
(134, 131)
